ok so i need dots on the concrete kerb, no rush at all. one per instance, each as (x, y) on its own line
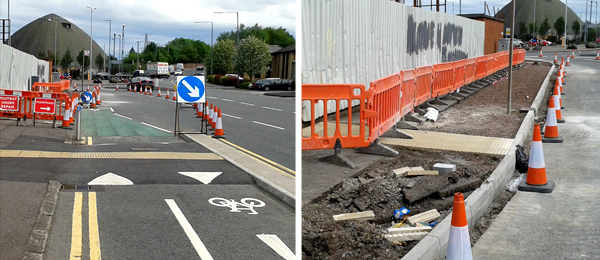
(435, 244)
(233, 156)
(36, 246)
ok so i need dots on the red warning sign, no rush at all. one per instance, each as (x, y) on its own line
(9, 103)
(44, 106)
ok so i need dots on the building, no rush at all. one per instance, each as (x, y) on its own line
(494, 29)
(284, 63)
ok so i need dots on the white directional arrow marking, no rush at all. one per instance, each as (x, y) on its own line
(204, 177)
(194, 92)
(110, 179)
(276, 244)
(45, 108)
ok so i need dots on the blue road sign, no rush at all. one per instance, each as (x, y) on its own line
(190, 89)
(86, 97)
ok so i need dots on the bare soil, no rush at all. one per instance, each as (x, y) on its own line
(377, 188)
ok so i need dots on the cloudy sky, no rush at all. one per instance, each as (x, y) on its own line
(162, 20)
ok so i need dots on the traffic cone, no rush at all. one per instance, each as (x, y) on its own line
(219, 128)
(206, 112)
(557, 83)
(210, 115)
(174, 95)
(556, 96)
(158, 93)
(99, 98)
(573, 54)
(541, 53)
(93, 103)
(213, 123)
(568, 60)
(150, 91)
(146, 90)
(459, 244)
(117, 89)
(73, 105)
(555, 58)
(536, 172)
(167, 96)
(597, 58)
(551, 127)
(199, 111)
(67, 113)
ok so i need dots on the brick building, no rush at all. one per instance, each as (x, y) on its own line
(494, 28)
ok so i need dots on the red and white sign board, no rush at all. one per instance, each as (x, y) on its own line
(9, 103)
(44, 106)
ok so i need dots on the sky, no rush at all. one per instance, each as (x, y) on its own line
(162, 20)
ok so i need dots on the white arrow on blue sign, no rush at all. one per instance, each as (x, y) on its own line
(86, 97)
(190, 89)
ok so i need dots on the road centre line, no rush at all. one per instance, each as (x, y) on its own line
(228, 100)
(76, 228)
(270, 108)
(281, 128)
(231, 116)
(156, 127)
(189, 230)
(247, 104)
(122, 116)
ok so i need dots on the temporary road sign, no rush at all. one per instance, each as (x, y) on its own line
(44, 106)
(86, 97)
(9, 103)
(190, 89)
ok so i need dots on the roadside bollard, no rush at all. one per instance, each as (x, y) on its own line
(78, 123)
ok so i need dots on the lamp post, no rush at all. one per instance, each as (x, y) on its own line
(533, 27)
(566, 8)
(55, 30)
(91, 41)
(109, 33)
(122, 44)
(119, 52)
(237, 26)
(596, 20)
(137, 57)
(211, 45)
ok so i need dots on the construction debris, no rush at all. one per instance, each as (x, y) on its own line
(424, 186)
(402, 171)
(407, 233)
(365, 215)
(426, 217)
(461, 186)
(444, 168)
(419, 173)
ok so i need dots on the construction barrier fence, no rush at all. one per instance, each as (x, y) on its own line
(388, 99)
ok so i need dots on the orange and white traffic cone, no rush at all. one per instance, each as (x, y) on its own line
(150, 91)
(573, 54)
(555, 58)
(551, 127)
(568, 60)
(158, 93)
(206, 113)
(167, 96)
(536, 173)
(213, 124)
(93, 103)
(210, 115)
(597, 58)
(117, 89)
(219, 127)
(459, 244)
(557, 83)
(146, 90)
(174, 95)
(199, 111)
(541, 53)
(557, 101)
(67, 113)
(99, 98)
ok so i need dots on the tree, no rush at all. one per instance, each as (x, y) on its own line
(66, 60)
(253, 56)
(99, 61)
(271, 36)
(79, 59)
(224, 53)
(576, 27)
(544, 27)
(523, 30)
(559, 26)
(533, 28)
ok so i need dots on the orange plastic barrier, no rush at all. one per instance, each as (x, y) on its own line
(470, 70)
(322, 93)
(459, 74)
(423, 84)
(481, 67)
(490, 66)
(518, 56)
(387, 102)
(443, 79)
(408, 91)
(51, 87)
(26, 101)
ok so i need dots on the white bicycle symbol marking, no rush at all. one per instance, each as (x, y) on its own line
(244, 204)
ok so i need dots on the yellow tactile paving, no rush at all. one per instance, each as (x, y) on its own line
(110, 155)
(452, 142)
(331, 130)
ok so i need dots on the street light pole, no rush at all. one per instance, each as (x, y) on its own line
(137, 57)
(55, 30)
(533, 27)
(211, 45)
(109, 33)
(122, 44)
(566, 8)
(596, 20)
(237, 26)
(119, 52)
(91, 41)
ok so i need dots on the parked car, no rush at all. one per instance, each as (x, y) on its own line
(115, 80)
(273, 84)
(261, 83)
(140, 83)
(97, 79)
(545, 43)
(518, 43)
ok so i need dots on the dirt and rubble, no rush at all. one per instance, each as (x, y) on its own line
(377, 187)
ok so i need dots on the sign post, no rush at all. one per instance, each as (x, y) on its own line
(189, 89)
(44, 106)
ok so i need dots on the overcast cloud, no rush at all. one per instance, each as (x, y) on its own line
(163, 20)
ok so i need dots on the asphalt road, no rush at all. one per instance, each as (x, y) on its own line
(261, 124)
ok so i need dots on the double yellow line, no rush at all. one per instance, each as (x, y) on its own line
(278, 167)
(77, 229)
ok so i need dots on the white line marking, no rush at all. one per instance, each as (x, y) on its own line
(269, 125)
(231, 116)
(247, 104)
(156, 127)
(215, 98)
(128, 118)
(204, 177)
(270, 108)
(228, 100)
(276, 244)
(111, 109)
(110, 179)
(189, 230)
